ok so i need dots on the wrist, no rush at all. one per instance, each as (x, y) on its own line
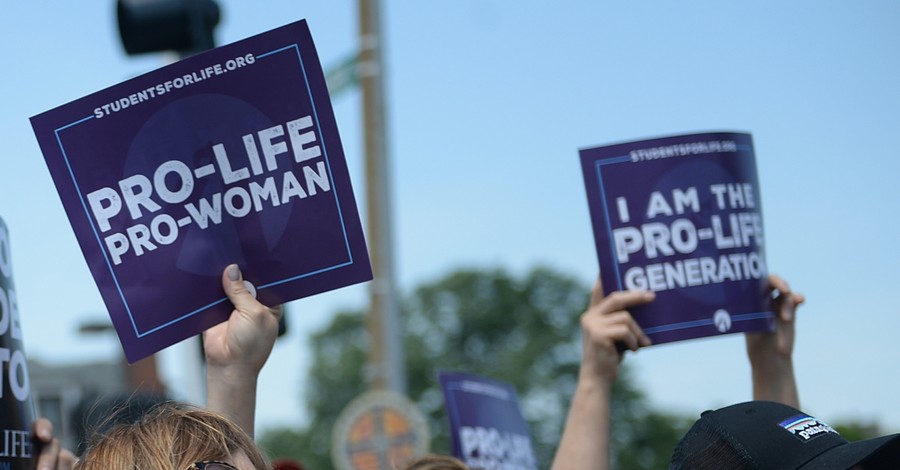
(771, 362)
(592, 383)
(242, 367)
(224, 383)
(775, 381)
(231, 392)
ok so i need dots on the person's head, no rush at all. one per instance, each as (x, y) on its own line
(287, 464)
(173, 437)
(436, 462)
(763, 435)
(94, 412)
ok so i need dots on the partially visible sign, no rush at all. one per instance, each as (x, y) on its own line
(487, 427)
(16, 404)
(343, 76)
(229, 156)
(682, 216)
(379, 430)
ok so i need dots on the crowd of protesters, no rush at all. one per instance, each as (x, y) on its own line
(769, 432)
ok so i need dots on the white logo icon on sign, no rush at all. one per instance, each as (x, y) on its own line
(722, 320)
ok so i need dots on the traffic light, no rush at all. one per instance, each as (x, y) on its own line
(184, 26)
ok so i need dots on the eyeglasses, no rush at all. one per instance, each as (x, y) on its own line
(211, 465)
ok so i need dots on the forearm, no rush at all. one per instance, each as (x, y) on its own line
(585, 439)
(773, 380)
(231, 391)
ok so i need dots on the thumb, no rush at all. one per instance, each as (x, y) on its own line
(787, 309)
(235, 289)
(597, 292)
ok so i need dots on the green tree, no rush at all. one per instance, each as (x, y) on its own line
(285, 443)
(524, 331)
(857, 430)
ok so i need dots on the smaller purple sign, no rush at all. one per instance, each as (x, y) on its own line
(486, 424)
(681, 216)
(16, 404)
(229, 156)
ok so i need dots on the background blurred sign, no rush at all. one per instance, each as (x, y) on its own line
(379, 430)
(487, 427)
(16, 405)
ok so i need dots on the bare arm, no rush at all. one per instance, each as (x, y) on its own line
(236, 351)
(606, 323)
(771, 353)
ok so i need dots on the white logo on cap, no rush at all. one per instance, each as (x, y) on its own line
(806, 427)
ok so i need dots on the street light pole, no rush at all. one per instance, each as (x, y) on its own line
(386, 355)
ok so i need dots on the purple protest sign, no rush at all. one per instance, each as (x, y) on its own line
(681, 216)
(229, 156)
(486, 424)
(16, 403)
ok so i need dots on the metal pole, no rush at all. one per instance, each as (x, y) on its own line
(386, 360)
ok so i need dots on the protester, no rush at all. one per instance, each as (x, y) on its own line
(174, 437)
(179, 437)
(436, 462)
(287, 464)
(741, 436)
(766, 434)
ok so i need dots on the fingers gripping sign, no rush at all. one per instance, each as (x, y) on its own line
(608, 329)
(780, 342)
(248, 336)
(785, 301)
(50, 455)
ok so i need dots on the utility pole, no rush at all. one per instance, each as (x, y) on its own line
(386, 355)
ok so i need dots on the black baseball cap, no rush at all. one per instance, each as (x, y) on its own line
(769, 435)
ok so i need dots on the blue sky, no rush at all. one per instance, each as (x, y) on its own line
(489, 102)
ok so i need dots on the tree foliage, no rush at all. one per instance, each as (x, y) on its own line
(524, 331)
(857, 430)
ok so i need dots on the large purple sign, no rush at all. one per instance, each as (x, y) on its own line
(486, 424)
(681, 216)
(230, 156)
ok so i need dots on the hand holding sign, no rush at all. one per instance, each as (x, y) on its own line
(50, 454)
(236, 351)
(246, 339)
(770, 353)
(607, 329)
